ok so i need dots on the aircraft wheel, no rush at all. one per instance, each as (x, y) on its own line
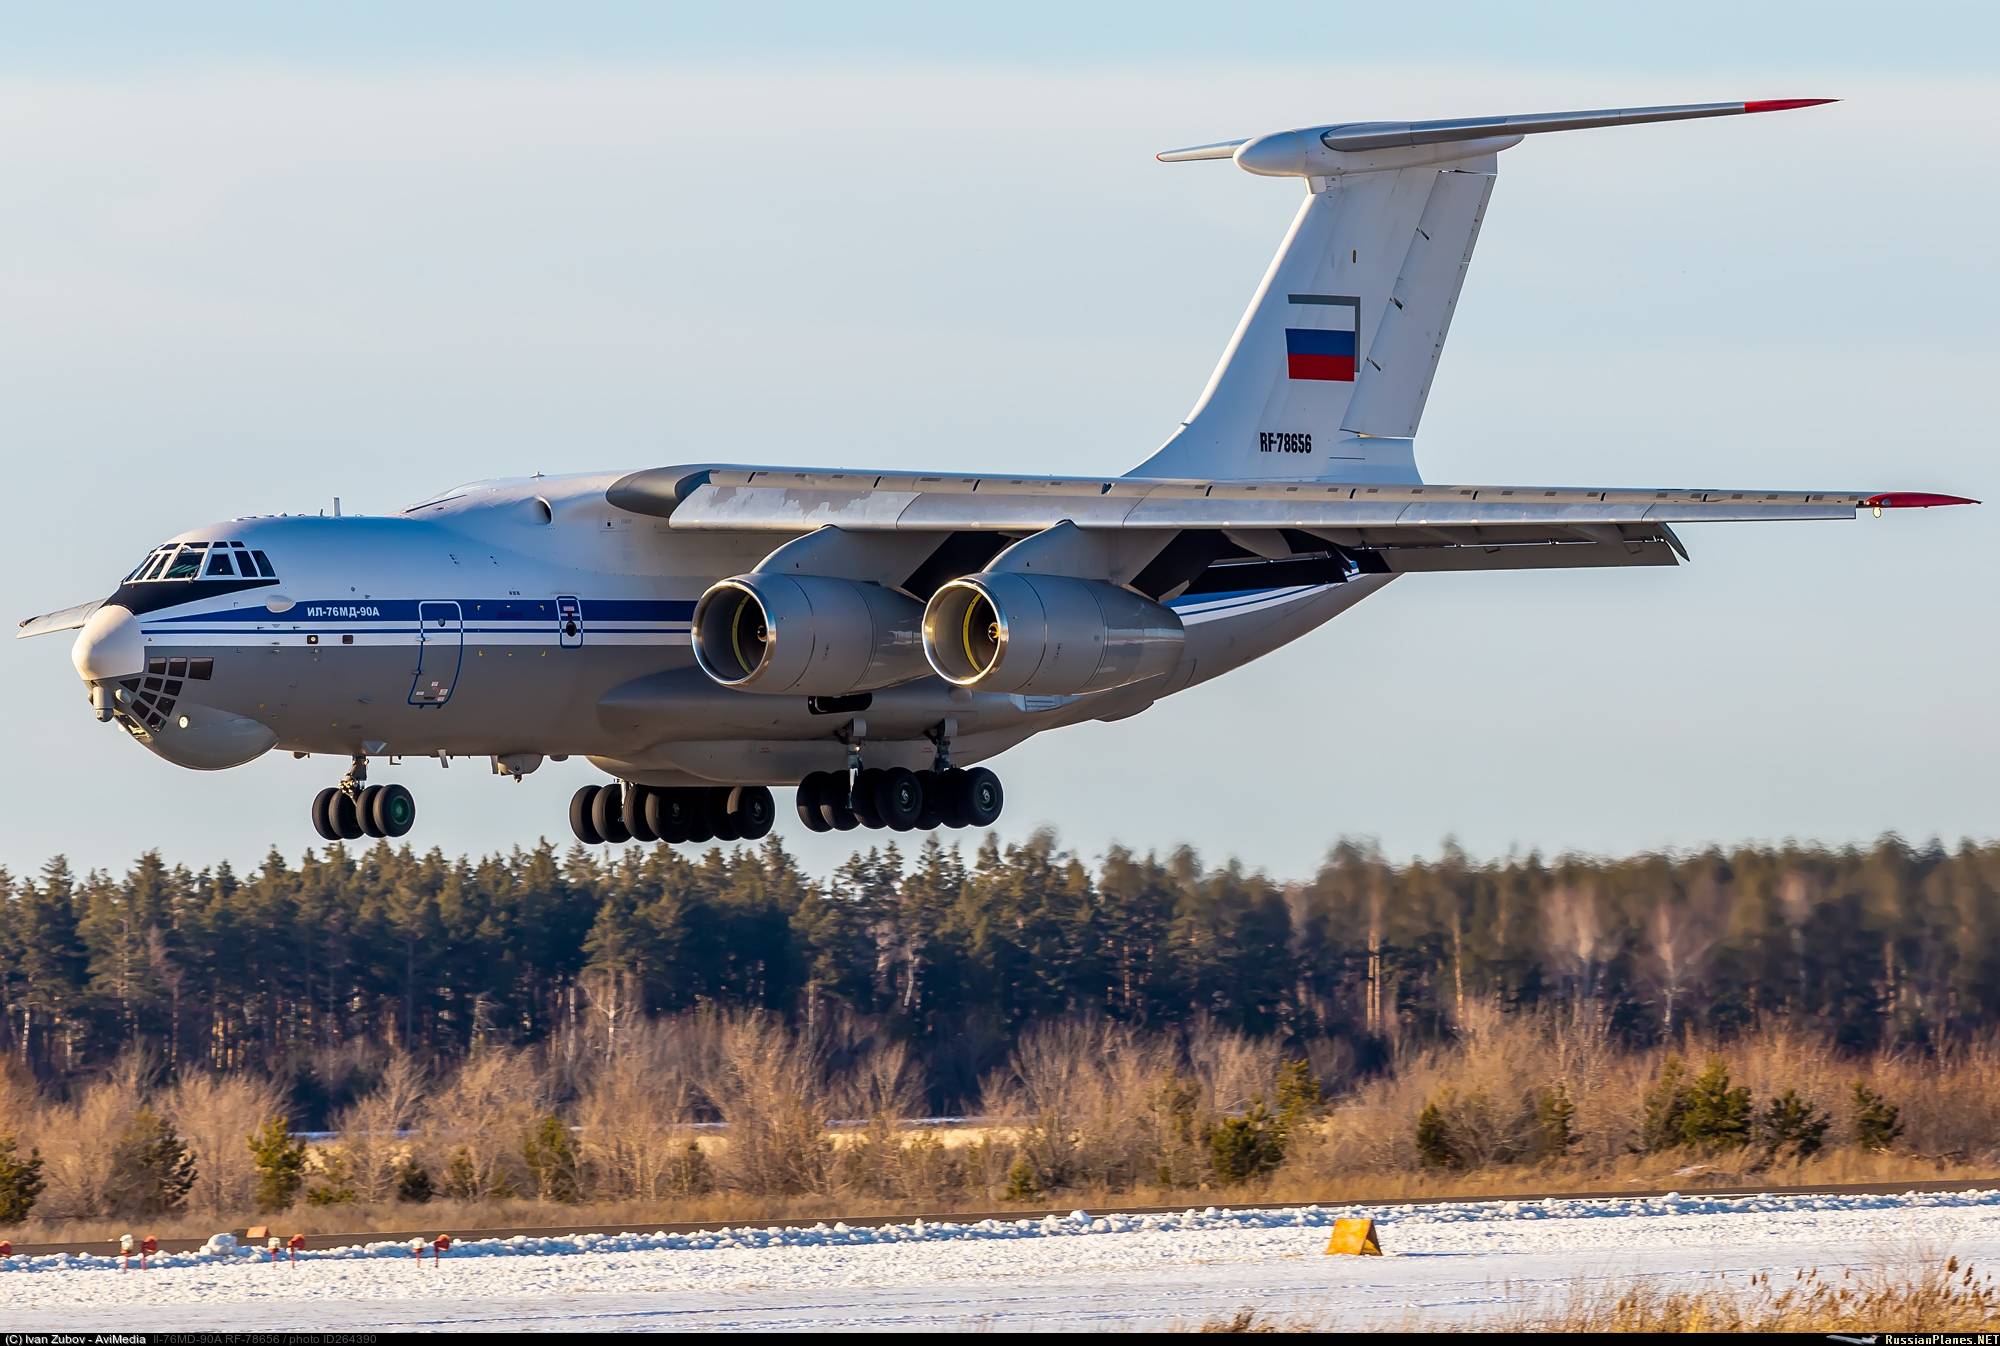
(899, 798)
(322, 821)
(701, 825)
(751, 807)
(667, 813)
(808, 802)
(932, 816)
(364, 810)
(865, 783)
(836, 802)
(394, 811)
(346, 819)
(607, 814)
(581, 807)
(635, 816)
(949, 789)
(981, 798)
(722, 823)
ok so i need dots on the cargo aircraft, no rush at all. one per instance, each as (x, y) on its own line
(706, 631)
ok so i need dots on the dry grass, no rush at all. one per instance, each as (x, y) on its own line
(1945, 1296)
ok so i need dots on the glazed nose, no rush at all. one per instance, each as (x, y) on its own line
(109, 646)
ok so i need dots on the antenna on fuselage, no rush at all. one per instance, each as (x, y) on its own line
(336, 507)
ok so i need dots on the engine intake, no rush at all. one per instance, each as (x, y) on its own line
(1005, 631)
(811, 635)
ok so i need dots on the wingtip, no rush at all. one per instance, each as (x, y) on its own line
(1783, 104)
(1915, 500)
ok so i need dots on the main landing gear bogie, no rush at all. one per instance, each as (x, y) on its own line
(900, 799)
(355, 809)
(621, 812)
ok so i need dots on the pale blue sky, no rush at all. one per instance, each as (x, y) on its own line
(253, 257)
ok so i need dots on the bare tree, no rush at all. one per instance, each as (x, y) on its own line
(215, 1115)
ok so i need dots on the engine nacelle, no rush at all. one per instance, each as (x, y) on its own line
(1006, 631)
(807, 635)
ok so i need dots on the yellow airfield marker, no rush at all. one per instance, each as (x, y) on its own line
(1355, 1238)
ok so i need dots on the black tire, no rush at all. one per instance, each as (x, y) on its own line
(752, 808)
(899, 798)
(580, 809)
(667, 814)
(932, 816)
(346, 820)
(836, 802)
(700, 825)
(949, 787)
(394, 810)
(722, 824)
(635, 812)
(981, 798)
(322, 824)
(607, 814)
(364, 811)
(808, 803)
(865, 783)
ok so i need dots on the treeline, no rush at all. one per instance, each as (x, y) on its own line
(956, 957)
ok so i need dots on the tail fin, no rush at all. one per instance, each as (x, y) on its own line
(1330, 367)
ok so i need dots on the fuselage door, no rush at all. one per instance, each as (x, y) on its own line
(440, 650)
(569, 621)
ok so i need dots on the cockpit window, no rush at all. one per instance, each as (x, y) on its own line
(186, 563)
(203, 560)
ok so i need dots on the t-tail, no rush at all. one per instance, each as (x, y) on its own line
(1328, 372)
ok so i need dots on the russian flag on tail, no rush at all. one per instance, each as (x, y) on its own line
(1311, 354)
(1327, 349)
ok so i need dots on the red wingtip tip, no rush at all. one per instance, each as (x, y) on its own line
(1783, 104)
(1914, 500)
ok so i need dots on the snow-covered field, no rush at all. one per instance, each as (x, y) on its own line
(1459, 1261)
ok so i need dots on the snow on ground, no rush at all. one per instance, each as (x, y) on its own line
(1458, 1261)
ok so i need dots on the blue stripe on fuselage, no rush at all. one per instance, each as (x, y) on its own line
(595, 610)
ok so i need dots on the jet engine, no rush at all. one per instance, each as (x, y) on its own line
(807, 635)
(1007, 631)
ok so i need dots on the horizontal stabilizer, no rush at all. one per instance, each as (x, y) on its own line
(1291, 153)
(69, 619)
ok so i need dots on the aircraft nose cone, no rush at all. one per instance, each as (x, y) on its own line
(109, 646)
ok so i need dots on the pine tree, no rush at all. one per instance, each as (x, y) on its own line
(20, 1181)
(461, 1177)
(413, 1182)
(1789, 1122)
(1435, 1147)
(151, 1168)
(336, 1180)
(1022, 1182)
(1717, 1115)
(1877, 1122)
(1245, 1147)
(1555, 1117)
(1663, 1116)
(281, 1165)
(1298, 1096)
(552, 1161)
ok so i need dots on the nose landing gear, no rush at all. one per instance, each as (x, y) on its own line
(621, 812)
(354, 809)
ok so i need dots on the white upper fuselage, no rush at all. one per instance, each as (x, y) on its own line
(531, 618)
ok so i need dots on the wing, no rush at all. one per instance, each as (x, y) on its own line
(1371, 516)
(69, 619)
